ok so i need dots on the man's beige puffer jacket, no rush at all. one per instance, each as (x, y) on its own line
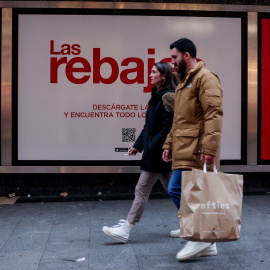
(197, 119)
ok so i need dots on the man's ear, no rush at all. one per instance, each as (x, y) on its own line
(186, 55)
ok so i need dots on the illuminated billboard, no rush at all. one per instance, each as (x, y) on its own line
(81, 81)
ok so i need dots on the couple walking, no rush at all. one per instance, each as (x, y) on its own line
(182, 131)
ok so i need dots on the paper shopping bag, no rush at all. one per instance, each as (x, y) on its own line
(211, 206)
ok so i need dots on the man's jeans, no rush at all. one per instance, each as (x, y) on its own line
(174, 188)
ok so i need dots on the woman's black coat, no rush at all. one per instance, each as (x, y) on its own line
(158, 124)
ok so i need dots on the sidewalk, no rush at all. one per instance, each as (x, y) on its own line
(59, 235)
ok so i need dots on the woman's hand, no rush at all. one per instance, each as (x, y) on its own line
(167, 155)
(132, 151)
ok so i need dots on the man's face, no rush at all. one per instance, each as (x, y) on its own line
(178, 60)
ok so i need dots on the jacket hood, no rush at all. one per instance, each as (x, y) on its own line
(168, 101)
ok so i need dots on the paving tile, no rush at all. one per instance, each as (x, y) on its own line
(110, 210)
(73, 215)
(167, 262)
(20, 260)
(34, 226)
(266, 244)
(195, 265)
(27, 242)
(58, 251)
(9, 222)
(5, 234)
(222, 260)
(69, 233)
(108, 254)
(253, 260)
(62, 265)
(246, 243)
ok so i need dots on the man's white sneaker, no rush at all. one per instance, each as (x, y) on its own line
(175, 233)
(119, 232)
(211, 251)
(191, 249)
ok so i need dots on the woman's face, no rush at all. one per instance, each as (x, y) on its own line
(156, 77)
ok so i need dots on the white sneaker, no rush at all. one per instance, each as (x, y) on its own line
(120, 223)
(119, 232)
(175, 233)
(211, 251)
(191, 249)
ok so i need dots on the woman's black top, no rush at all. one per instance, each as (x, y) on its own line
(158, 124)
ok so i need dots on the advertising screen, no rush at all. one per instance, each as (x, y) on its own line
(83, 80)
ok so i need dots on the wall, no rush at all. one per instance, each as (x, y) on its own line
(250, 163)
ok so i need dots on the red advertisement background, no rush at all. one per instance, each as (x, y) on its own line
(265, 90)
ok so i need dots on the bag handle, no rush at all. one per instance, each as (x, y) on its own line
(214, 168)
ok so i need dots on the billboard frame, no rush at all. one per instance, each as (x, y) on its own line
(118, 12)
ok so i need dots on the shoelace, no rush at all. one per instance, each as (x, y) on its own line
(121, 222)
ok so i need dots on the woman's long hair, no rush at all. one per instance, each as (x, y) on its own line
(169, 82)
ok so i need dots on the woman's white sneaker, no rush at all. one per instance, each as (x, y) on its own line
(119, 232)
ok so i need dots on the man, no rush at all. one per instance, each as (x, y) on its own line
(195, 134)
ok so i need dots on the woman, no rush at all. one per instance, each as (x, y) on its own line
(158, 123)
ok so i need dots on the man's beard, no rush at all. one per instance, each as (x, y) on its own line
(181, 67)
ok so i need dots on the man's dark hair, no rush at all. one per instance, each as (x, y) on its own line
(185, 45)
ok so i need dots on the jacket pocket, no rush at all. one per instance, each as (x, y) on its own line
(186, 144)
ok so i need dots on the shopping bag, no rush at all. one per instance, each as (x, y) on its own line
(211, 206)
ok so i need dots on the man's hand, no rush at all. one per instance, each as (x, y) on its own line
(209, 159)
(167, 155)
(132, 151)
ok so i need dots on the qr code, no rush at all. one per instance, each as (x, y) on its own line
(128, 134)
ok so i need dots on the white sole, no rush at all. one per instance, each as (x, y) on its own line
(175, 235)
(205, 254)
